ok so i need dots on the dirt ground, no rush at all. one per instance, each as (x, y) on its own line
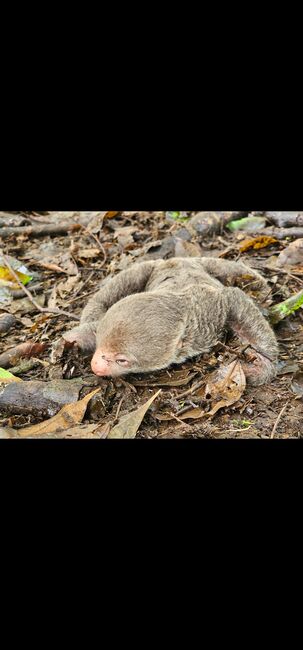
(67, 268)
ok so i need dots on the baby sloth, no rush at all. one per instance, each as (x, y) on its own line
(166, 311)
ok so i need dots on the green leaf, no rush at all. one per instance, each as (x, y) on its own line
(5, 374)
(178, 216)
(8, 278)
(286, 308)
(249, 224)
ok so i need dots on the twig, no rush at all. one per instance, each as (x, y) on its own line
(102, 249)
(43, 310)
(119, 407)
(290, 275)
(24, 366)
(187, 426)
(191, 390)
(278, 420)
(40, 231)
(36, 219)
(83, 295)
(238, 430)
(240, 351)
(263, 354)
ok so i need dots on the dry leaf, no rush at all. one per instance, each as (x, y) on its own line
(66, 286)
(292, 255)
(50, 267)
(8, 432)
(25, 305)
(52, 301)
(125, 231)
(297, 384)
(257, 242)
(125, 235)
(129, 423)
(60, 262)
(88, 253)
(187, 249)
(69, 416)
(110, 215)
(226, 385)
(81, 431)
(27, 322)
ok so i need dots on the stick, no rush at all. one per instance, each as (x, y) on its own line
(286, 308)
(40, 231)
(102, 249)
(278, 420)
(43, 310)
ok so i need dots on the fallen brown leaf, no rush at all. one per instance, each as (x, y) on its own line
(297, 384)
(69, 416)
(261, 241)
(187, 249)
(88, 253)
(66, 286)
(129, 423)
(25, 305)
(226, 385)
(82, 431)
(110, 215)
(292, 255)
(51, 267)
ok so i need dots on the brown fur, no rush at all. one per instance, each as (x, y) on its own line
(161, 312)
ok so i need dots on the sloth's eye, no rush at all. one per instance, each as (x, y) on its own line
(122, 362)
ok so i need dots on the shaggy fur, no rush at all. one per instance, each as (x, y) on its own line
(161, 312)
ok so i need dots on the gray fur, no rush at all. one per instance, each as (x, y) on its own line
(166, 311)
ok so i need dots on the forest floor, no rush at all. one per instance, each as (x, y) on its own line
(66, 268)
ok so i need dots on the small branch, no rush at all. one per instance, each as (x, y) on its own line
(24, 366)
(191, 390)
(286, 308)
(278, 420)
(40, 231)
(102, 249)
(238, 353)
(290, 275)
(43, 310)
